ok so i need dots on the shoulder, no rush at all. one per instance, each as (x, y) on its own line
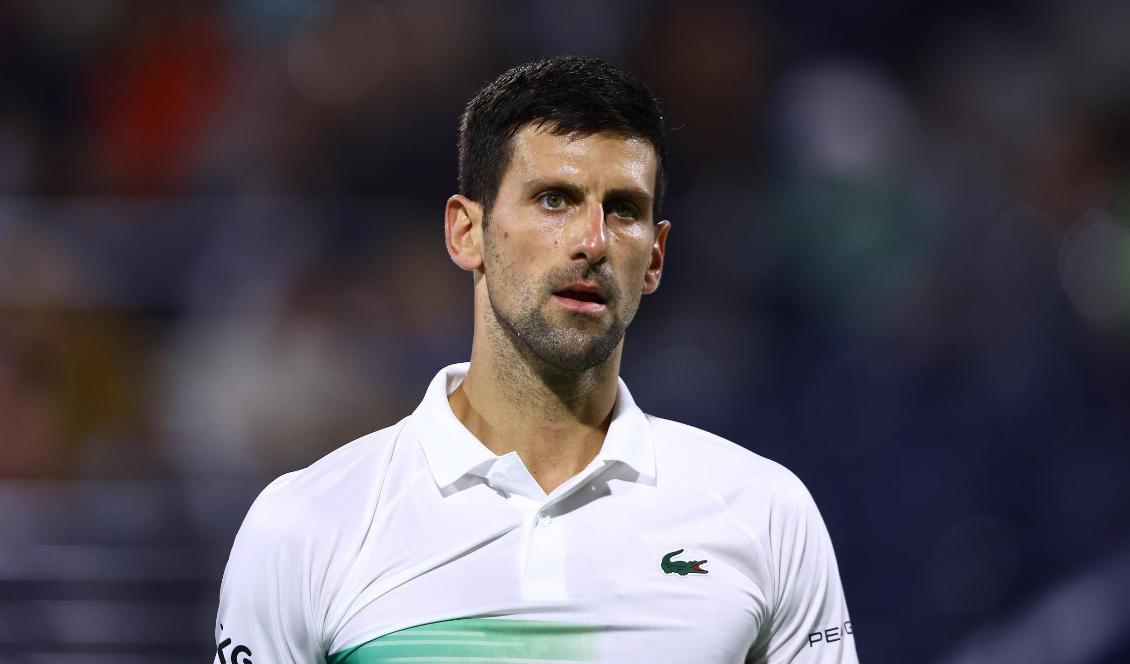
(690, 455)
(759, 495)
(304, 504)
(296, 544)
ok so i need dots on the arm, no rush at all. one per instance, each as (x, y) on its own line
(264, 614)
(809, 623)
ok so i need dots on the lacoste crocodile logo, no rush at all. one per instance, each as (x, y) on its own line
(681, 567)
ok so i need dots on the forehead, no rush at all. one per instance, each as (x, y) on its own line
(607, 158)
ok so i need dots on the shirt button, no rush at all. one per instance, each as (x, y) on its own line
(543, 519)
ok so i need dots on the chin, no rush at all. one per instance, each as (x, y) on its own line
(580, 357)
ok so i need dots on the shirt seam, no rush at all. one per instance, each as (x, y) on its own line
(754, 538)
(324, 642)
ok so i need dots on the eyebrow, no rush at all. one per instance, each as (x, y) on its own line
(635, 195)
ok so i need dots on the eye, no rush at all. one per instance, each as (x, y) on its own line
(552, 200)
(624, 209)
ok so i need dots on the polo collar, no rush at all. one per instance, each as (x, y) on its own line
(452, 451)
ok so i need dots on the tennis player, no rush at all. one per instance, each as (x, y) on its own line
(528, 510)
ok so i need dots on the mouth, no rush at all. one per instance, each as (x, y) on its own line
(581, 297)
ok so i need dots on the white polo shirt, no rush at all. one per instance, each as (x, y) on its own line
(418, 544)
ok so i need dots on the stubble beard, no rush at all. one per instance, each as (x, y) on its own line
(567, 348)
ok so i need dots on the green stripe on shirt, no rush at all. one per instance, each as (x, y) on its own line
(466, 640)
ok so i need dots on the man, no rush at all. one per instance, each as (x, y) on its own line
(528, 511)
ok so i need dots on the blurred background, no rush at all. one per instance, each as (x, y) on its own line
(900, 265)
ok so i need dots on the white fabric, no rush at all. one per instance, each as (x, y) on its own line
(420, 522)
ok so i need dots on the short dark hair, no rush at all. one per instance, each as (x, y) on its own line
(565, 94)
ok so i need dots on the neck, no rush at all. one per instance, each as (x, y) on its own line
(555, 420)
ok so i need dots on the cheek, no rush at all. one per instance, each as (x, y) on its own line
(523, 250)
(637, 252)
(509, 269)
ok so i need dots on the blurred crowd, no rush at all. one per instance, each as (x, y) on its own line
(900, 258)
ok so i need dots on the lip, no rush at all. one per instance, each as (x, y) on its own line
(579, 305)
(584, 287)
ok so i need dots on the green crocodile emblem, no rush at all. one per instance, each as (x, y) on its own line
(681, 567)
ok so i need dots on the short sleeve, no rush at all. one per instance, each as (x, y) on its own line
(264, 614)
(809, 623)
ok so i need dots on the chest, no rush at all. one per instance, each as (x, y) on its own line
(633, 572)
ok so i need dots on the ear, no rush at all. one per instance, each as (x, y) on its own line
(658, 249)
(463, 219)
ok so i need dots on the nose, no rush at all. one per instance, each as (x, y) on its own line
(590, 235)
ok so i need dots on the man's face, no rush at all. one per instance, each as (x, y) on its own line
(570, 245)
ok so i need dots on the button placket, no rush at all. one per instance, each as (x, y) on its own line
(544, 574)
